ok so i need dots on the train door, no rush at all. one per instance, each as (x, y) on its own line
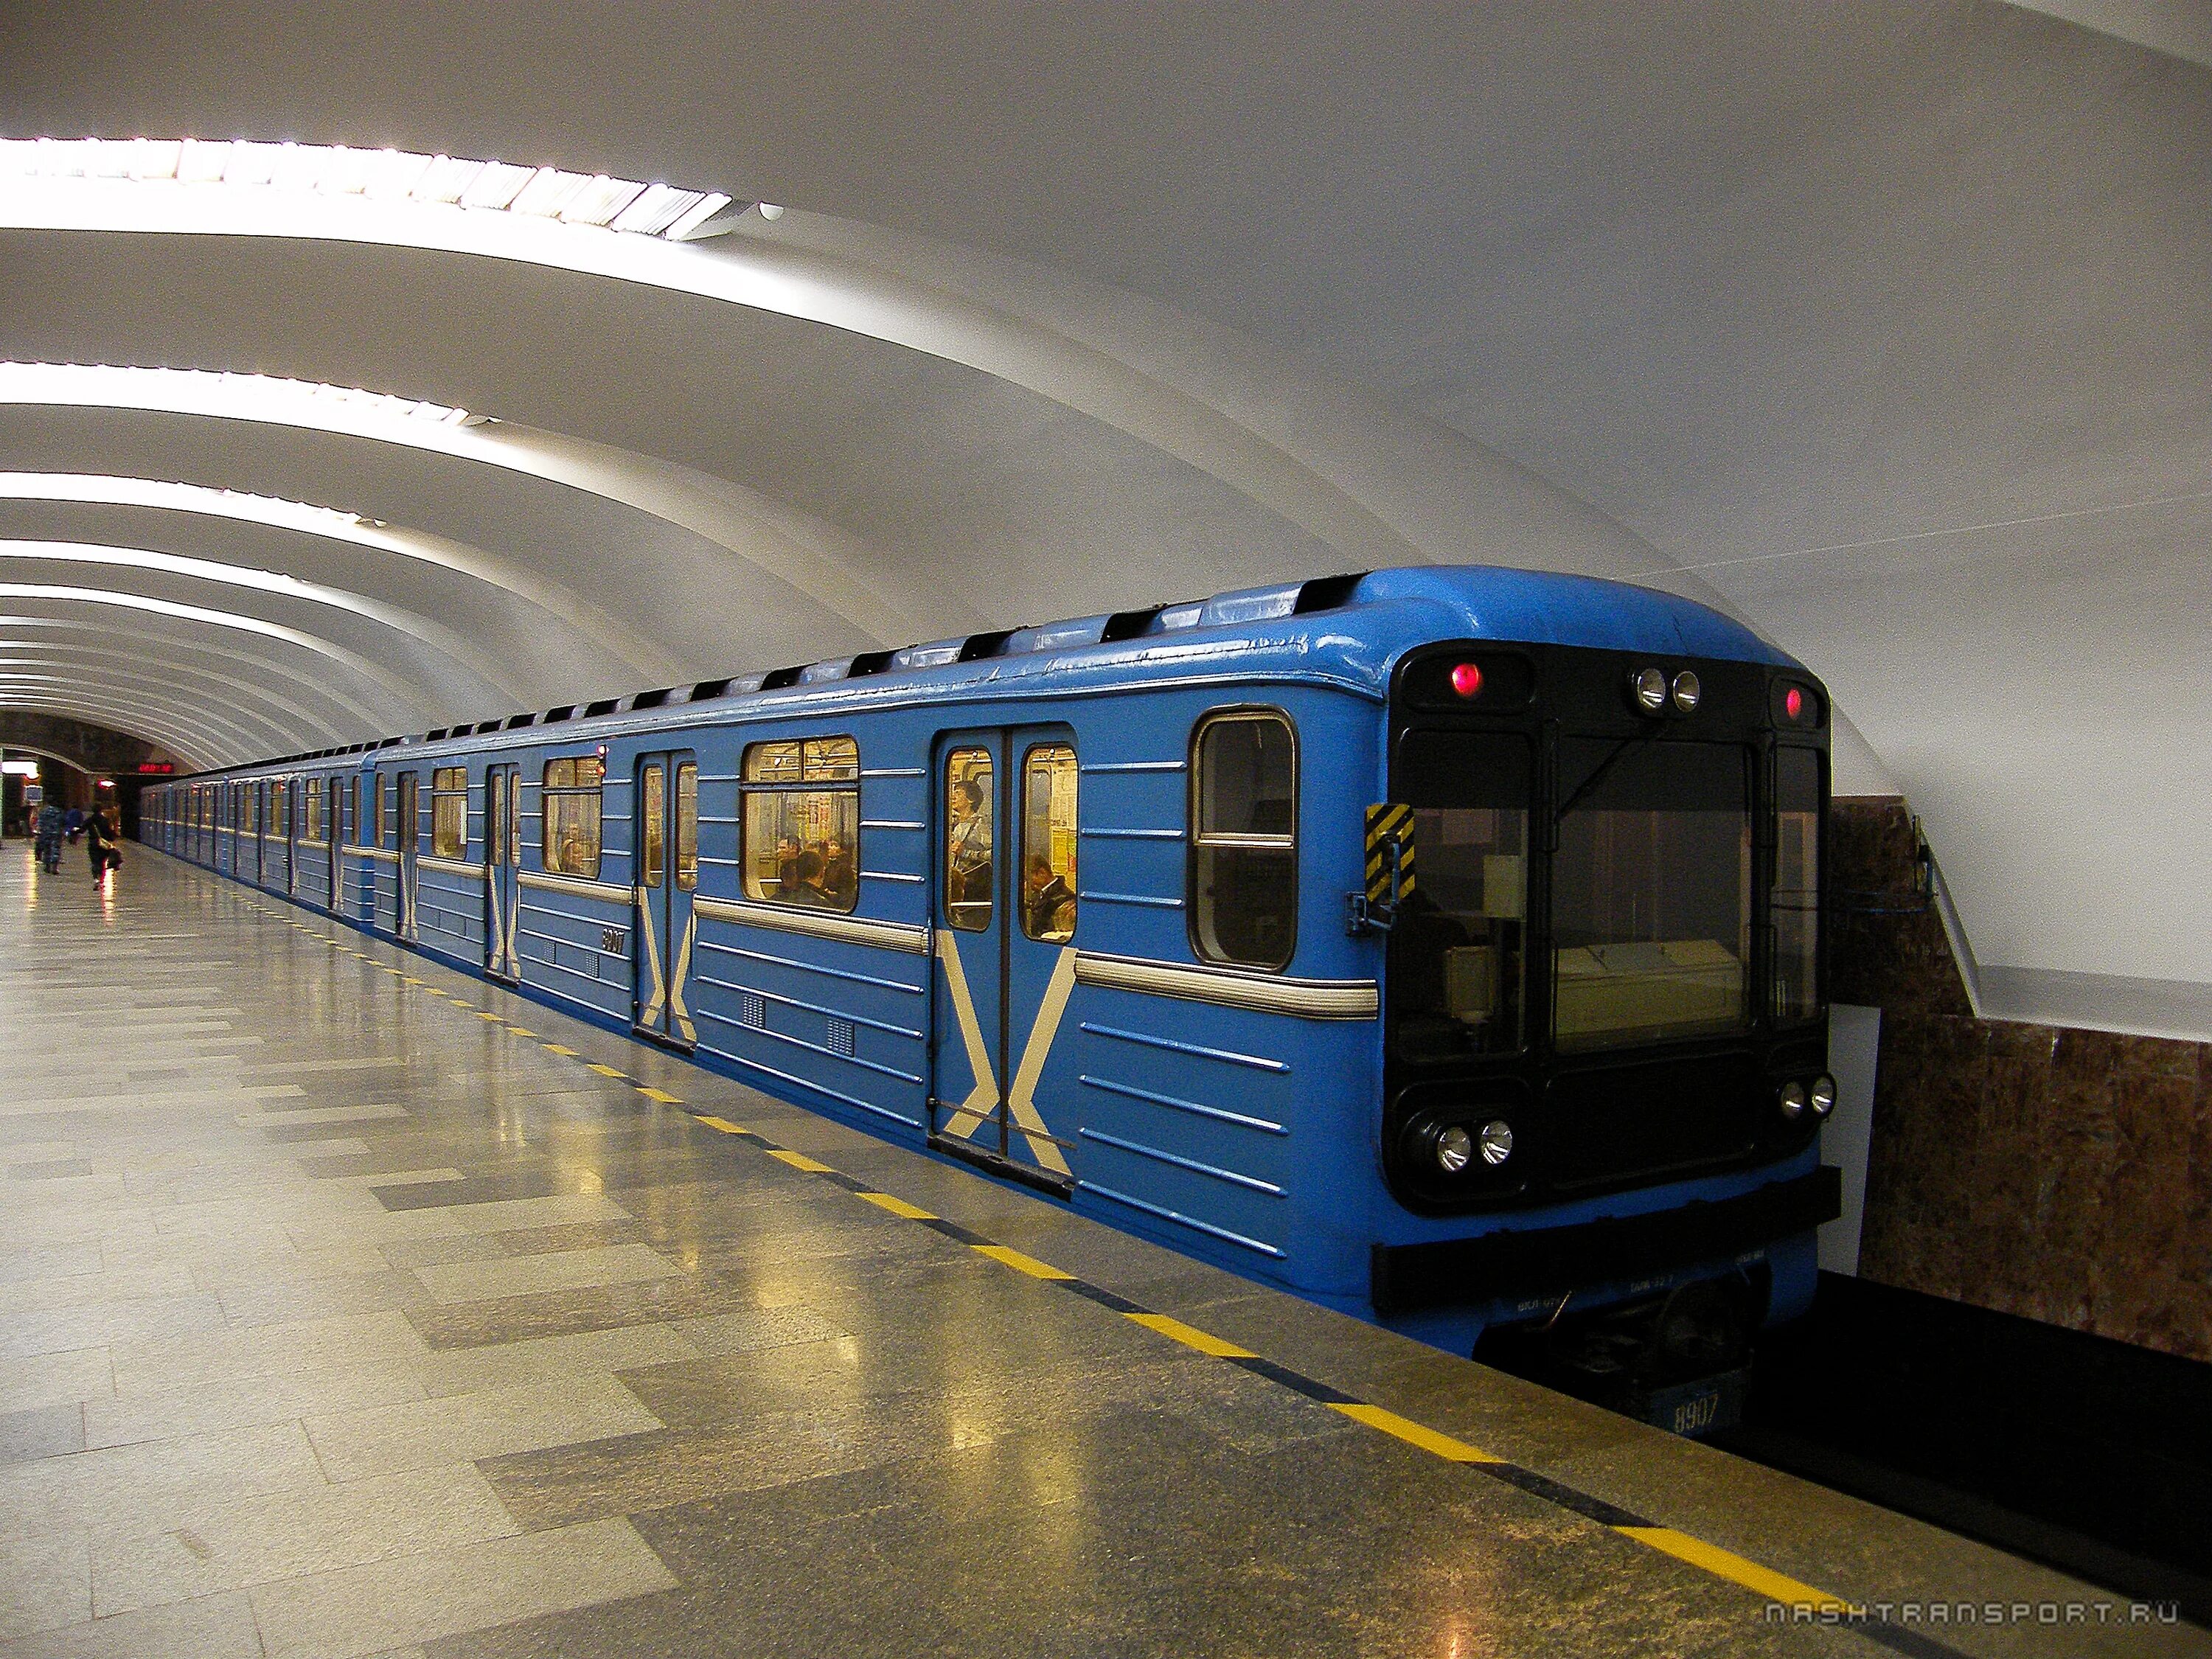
(502, 858)
(1005, 955)
(335, 831)
(291, 805)
(410, 839)
(260, 813)
(667, 865)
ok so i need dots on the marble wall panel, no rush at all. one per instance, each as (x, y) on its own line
(2064, 1175)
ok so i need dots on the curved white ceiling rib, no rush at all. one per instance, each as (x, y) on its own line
(1380, 486)
(216, 718)
(634, 647)
(283, 721)
(303, 693)
(185, 738)
(440, 639)
(830, 570)
(405, 696)
(255, 731)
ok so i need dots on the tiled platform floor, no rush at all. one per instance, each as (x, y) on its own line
(337, 1317)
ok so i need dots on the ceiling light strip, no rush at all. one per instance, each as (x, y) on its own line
(594, 200)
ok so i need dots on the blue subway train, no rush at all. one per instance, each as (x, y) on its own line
(1442, 945)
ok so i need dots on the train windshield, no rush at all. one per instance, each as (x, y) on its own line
(1651, 892)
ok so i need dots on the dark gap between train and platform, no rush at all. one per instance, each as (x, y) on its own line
(2091, 1456)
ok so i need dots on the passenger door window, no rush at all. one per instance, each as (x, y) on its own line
(970, 868)
(1048, 782)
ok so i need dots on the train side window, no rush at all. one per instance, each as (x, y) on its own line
(1244, 851)
(970, 872)
(1797, 893)
(449, 811)
(802, 821)
(570, 799)
(1048, 777)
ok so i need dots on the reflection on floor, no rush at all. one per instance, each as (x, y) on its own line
(350, 1308)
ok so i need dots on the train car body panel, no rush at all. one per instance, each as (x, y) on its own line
(1084, 904)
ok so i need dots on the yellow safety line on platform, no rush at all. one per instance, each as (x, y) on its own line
(799, 1160)
(1416, 1434)
(1189, 1335)
(605, 1070)
(651, 1093)
(898, 1207)
(1725, 1565)
(1020, 1263)
(721, 1123)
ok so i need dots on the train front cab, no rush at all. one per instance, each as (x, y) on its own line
(1605, 1039)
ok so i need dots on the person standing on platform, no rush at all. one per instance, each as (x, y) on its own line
(72, 822)
(49, 836)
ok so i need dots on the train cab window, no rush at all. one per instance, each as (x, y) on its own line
(314, 809)
(1458, 949)
(970, 862)
(1048, 774)
(571, 801)
(1243, 853)
(1651, 892)
(802, 821)
(1796, 892)
(449, 811)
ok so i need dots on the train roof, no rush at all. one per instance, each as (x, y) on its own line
(1348, 630)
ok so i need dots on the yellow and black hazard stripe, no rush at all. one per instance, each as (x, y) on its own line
(1388, 825)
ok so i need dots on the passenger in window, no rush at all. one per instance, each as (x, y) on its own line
(840, 881)
(1051, 903)
(786, 868)
(969, 853)
(809, 889)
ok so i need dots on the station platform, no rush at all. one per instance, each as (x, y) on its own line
(349, 1306)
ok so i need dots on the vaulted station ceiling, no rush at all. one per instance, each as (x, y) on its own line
(1884, 326)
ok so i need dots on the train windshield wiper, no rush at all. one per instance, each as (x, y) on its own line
(1589, 785)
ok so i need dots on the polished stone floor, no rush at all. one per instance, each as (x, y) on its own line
(347, 1307)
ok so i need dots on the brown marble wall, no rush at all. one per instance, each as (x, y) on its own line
(2064, 1175)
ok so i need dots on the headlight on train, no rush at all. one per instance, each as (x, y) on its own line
(1455, 1149)
(1824, 1095)
(1687, 690)
(1649, 688)
(1497, 1142)
(1793, 1101)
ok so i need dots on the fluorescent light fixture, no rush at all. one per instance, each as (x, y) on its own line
(199, 391)
(693, 222)
(25, 769)
(593, 200)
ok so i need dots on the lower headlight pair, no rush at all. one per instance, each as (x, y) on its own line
(1821, 1097)
(1457, 1146)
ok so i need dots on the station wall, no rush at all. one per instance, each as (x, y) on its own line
(2061, 1174)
